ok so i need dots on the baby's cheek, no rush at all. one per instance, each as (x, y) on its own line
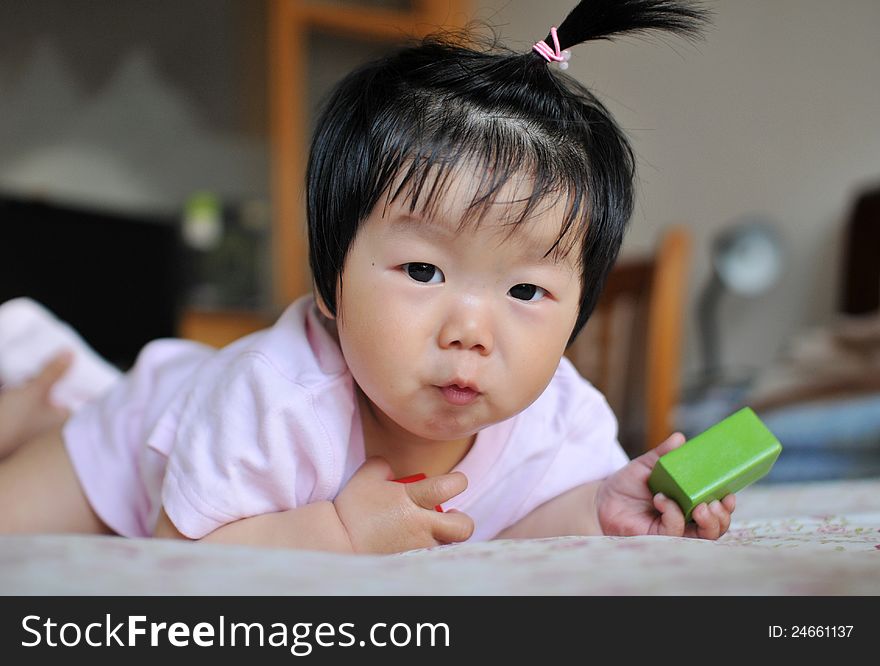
(528, 383)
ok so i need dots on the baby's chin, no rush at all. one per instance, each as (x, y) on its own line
(448, 430)
(428, 420)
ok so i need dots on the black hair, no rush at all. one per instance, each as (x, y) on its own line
(433, 105)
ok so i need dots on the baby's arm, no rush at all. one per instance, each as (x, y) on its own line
(311, 527)
(371, 514)
(623, 505)
(572, 513)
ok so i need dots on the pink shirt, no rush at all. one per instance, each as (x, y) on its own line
(271, 423)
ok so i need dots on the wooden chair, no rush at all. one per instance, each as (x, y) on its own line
(631, 347)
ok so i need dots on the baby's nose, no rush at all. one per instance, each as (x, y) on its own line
(468, 328)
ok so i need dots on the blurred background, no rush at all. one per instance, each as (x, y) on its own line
(152, 154)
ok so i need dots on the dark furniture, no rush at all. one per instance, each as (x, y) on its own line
(113, 277)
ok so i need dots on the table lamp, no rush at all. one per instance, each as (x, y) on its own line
(746, 261)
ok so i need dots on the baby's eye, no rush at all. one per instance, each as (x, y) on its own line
(427, 273)
(527, 292)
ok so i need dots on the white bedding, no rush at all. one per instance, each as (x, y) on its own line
(805, 539)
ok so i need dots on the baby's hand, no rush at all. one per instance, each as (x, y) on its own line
(626, 506)
(382, 516)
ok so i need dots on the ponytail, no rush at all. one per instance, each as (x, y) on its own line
(593, 20)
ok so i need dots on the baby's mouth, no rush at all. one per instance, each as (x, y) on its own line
(459, 394)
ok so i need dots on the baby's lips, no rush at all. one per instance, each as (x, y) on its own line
(417, 477)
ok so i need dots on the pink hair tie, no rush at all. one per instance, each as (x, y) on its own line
(562, 57)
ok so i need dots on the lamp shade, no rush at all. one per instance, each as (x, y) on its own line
(747, 257)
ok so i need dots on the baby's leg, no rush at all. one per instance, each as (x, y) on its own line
(30, 336)
(27, 410)
(40, 492)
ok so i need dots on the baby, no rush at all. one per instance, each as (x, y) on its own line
(464, 210)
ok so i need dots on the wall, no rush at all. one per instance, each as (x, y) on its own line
(776, 112)
(130, 105)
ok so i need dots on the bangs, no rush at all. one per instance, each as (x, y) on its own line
(494, 152)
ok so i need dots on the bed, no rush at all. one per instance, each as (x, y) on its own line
(819, 538)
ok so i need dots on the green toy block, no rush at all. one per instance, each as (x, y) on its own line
(724, 459)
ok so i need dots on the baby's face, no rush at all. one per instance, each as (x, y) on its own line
(448, 332)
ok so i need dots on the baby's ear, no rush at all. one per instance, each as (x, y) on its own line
(322, 306)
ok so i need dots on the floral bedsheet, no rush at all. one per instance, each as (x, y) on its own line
(805, 539)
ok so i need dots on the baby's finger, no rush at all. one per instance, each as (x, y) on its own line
(708, 524)
(729, 502)
(650, 458)
(723, 516)
(671, 517)
(675, 440)
(453, 527)
(435, 490)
